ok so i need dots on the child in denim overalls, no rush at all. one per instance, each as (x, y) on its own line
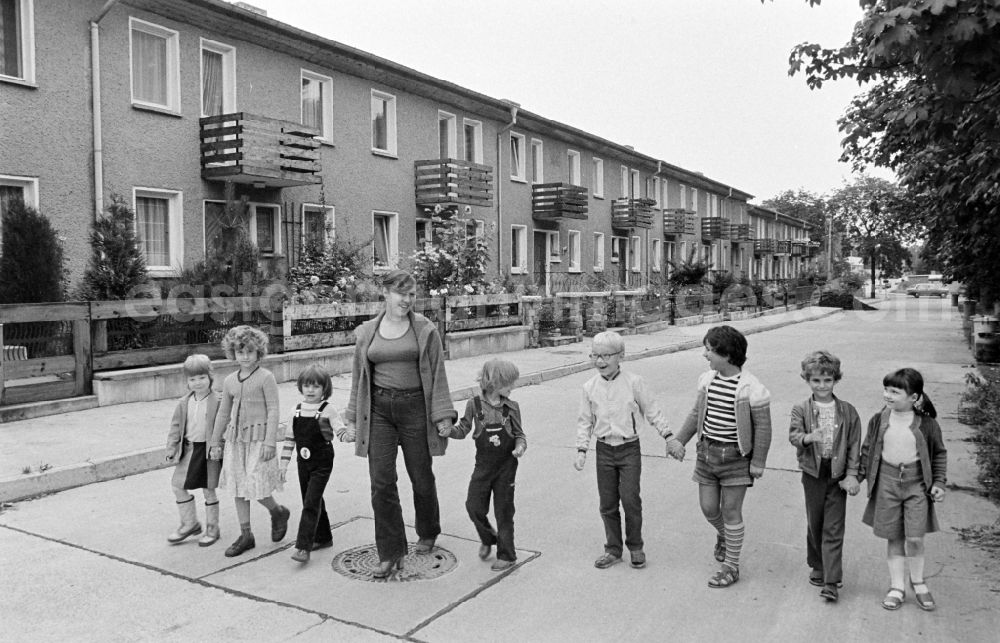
(499, 442)
(313, 427)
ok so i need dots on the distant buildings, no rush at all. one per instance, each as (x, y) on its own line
(163, 101)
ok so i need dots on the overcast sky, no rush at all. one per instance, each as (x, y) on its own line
(702, 84)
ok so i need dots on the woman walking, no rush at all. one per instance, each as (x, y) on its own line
(399, 399)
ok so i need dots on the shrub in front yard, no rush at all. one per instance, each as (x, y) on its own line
(32, 267)
(117, 264)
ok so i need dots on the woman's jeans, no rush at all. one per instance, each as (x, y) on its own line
(399, 420)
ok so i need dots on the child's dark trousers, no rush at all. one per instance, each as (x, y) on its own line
(496, 478)
(618, 471)
(826, 507)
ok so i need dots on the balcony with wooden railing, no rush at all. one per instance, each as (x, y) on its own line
(632, 213)
(812, 248)
(713, 228)
(741, 232)
(555, 201)
(798, 247)
(783, 247)
(764, 246)
(677, 221)
(453, 182)
(265, 152)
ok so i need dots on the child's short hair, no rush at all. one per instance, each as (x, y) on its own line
(316, 375)
(247, 336)
(911, 381)
(198, 364)
(610, 338)
(727, 342)
(497, 374)
(821, 363)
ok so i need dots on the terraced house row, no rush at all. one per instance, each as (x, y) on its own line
(164, 101)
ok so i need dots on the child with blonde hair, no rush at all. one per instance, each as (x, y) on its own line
(500, 441)
(190, 427)
(247, 424)
(313, 427)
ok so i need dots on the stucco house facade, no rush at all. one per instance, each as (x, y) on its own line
(164, 101)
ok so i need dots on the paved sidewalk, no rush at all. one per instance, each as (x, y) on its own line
(47, 454)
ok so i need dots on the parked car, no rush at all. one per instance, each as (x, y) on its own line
(927, 290)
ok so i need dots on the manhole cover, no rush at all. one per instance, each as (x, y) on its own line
(359, 563)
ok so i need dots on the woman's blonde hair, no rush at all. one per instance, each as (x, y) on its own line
(245, 336)
(497, 374)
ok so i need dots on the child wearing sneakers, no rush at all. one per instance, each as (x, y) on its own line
(192, 422)
(500, 442)
(826, 434)
(612, 408)
(313, 426)
(732, 419)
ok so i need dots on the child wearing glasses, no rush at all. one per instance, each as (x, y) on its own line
(612, 409)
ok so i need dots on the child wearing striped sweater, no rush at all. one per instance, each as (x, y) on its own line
(732, 420)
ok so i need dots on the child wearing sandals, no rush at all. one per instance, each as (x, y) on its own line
(826, 434)
(247, 423)
(192, 422)
(499, 442)
(732, 420)
(905, 463)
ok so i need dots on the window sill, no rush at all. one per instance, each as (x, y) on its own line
(599, 196)
(384, 153)
(574, 270)
(326, 143)
(519, 179)
(162, 271)
(23, 82)
(517, 270)
(166, 111)
(598, 268)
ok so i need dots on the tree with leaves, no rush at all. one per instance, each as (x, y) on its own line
(32, 268)
(931, 113)
(117, 263)
(880, 222)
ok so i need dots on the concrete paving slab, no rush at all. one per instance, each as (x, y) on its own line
(386, 606)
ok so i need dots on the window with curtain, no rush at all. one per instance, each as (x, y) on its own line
(599, 250)
(211, 83)
(9, 194)
(517, 156)
(573, 159)
(314, 225)
(537, 162)
(380, 123)
(149, 67)
(316, 103)
(10, 38)
(153, 229)
(213, 222)
(382, 247)
(266, 219)
(598, 177)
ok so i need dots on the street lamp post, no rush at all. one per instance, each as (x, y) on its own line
(829, 247)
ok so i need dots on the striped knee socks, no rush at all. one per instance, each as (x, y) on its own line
(734, 544)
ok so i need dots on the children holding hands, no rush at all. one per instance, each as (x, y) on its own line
(611, 402)
(905, 462)
(192, 422)
(826, 433)
(313, 426)
(732, 420)
(495, 421)
(247, 423)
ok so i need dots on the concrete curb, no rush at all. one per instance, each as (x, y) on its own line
(127, 464)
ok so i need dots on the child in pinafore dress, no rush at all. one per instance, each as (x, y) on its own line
(192, 422)
(500, 442)
(905, 462)
(313, 426)
(247, 424)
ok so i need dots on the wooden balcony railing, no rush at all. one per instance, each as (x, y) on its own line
(632, 213)
(451, 181)
(798, 248)
(264, 151)
(554, 201)
(783, 247)
(678, 221)
(813, 248)
(714, 228)
(741, 232)
(764, 246)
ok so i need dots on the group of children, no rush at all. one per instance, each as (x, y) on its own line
(232, 442)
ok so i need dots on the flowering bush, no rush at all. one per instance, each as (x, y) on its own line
(457, 263)
(337, 273)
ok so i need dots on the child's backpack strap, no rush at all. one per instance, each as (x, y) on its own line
(322, 406)
(298, 409)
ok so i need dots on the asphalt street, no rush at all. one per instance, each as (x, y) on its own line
(92, 563)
